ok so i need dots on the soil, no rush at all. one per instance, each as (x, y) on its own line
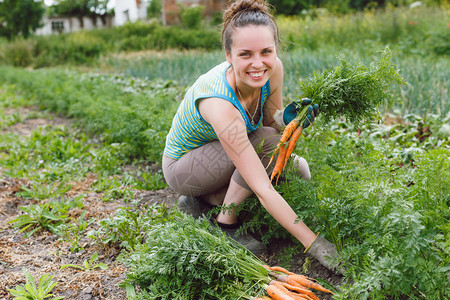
(45, 253)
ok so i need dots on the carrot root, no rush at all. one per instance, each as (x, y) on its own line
(303, 281)
(292, 143)
(281, 269)
(280, 163)
(301, 290)
(277, 294)
(287, 132)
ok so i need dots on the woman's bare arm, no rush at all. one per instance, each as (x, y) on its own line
(231, 131)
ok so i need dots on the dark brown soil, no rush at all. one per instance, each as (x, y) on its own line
(45, 253)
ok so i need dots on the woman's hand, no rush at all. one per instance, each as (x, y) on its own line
(285, 116)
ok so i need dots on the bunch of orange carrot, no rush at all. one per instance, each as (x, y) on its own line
(350, 90)
(290, 286)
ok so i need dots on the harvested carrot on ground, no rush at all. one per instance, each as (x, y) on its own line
(294, 294)
(300, 290)
(277, 294)
(279, 269)
(301, 280)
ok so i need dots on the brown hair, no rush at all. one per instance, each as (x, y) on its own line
(242, 13)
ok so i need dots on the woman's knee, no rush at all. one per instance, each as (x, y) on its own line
(302, 167)
(267, 137)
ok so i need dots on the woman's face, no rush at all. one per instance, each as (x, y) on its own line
(253, 55)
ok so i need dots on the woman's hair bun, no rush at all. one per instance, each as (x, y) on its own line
(241, 13)
(235, 7)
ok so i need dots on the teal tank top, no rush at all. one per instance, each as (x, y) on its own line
(189, 130)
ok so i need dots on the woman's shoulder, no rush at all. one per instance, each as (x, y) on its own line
(216, 71)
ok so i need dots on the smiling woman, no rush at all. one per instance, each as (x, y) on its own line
(223, 133)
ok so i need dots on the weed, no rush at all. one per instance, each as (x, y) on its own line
(48, 215)
(88, 265)
(128, 227)
(36, 217)
(32, 291)
(113, 189)
(42, 191)
(150, 181)
(72, 232)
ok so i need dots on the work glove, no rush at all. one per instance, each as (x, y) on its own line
(285, 116)
(325, 252)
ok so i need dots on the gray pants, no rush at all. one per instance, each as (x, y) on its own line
(207, 169)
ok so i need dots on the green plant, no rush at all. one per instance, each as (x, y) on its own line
(113, 189)
(88, 265)
(191, 17)
(31, 291)
(72, 232)
(352, 90)
(190, 259)
(130, 224)
(38, 216)
(154, 9)
(205, 261)
(150, 181)
(42, 191)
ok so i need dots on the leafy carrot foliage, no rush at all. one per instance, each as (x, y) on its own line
(190, 259)
(352, 89)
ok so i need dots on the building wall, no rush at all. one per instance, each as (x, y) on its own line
(171, 13)
(129, 11)
(55, 25)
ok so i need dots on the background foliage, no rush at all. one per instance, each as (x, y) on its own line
(19, 18)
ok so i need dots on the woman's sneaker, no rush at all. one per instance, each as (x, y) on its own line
(246, 240)
(192, 206)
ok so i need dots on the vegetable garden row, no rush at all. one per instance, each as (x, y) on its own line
(379, 191)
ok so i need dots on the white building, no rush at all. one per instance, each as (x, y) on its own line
(129, 11)
(55, 24)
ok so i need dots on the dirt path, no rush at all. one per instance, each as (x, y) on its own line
(45, 253)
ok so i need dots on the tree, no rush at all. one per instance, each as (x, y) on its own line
(154, 9)
(81, 8)
(20, 17)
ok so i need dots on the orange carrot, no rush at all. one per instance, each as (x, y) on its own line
(266, 298)
(292, 143)
(287, 132)
(297, 279)
(279, 285)
(277, 294)
(294, 294)
(299, 297)
(301, 290)
(280, 162)
(281, 269)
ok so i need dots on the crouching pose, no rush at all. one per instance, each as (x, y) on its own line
(229, 123)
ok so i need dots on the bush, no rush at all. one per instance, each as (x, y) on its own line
(439, 41)
(18, 53)
(191, 17)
